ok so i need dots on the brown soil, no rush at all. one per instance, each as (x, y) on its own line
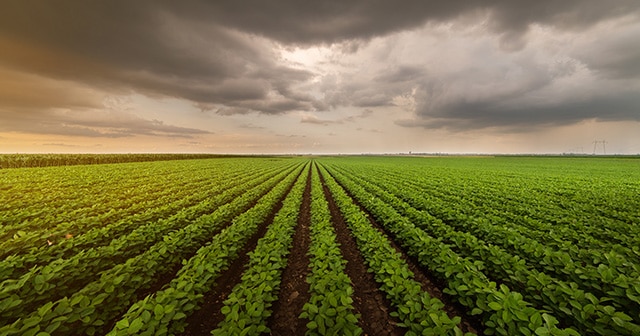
(162, 280)
(294, 289)
(205, 319)
(369, 301)
(428, 282)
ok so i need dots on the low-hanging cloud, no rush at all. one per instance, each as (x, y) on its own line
(308, 118)
(490, 114)
(91, 124)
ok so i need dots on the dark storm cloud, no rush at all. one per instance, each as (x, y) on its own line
(125, 42)
(219, 55)
(462, 116)
(379, 90)
(615, 57)
(364, 90)
(144, 47)
(329, 21)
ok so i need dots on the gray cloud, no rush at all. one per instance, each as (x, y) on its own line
(149, 48)
(220, 56)
(112, 125)
(616, 56)
(313, 119)
(364, 114)
(370, 90)
(187, 50)
(525, 107)
(251, 126)
(332, 21)
(548, 83)
(491, 113)
(400, 73)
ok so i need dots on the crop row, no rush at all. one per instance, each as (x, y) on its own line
(614, 277)
(330, 307)
(557, 218)
(82, 204)
(90, 308)
(126, 237)
(63, 276)
(165, 311)
(420, 313)
(57, 221)
(48, 242)
(568, 238)
(37, 193)
(248, 306)
(599, 201)
(502, 311)
(574, 306)
(511, 246)
(48, 160)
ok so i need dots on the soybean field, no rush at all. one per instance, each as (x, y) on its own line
(343, 245)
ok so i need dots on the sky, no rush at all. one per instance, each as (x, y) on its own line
(322, 76)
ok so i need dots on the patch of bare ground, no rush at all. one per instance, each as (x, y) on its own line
(209, 315)
(294, 289)
(369, 301)
(428, 282)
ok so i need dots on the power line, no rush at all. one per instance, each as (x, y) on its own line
(604, 146)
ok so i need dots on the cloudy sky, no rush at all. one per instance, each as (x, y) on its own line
(322, 76)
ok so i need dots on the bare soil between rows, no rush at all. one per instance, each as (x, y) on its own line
(294, 289)
(369, 301)
(428, 282)
(207, 318)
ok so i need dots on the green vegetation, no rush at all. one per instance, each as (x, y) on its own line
(419, 312)
(329, 309)
(521, 245)
(164, 311)
(48, 160)
(248, 306)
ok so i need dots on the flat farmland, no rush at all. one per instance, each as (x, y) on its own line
(322, 246)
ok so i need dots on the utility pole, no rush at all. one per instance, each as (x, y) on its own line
(604, 146)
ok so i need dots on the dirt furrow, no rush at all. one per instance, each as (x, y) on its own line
(163, 280)
(205, 319)
(369, 301)
(294, 289)
(429, 283)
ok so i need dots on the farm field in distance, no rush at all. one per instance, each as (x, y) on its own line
(345, 245)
